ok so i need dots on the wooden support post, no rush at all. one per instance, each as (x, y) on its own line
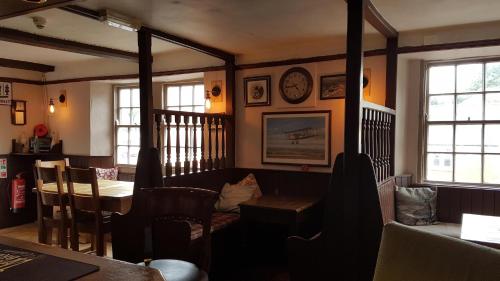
(391, 72)
(231, 123)
(146, 88)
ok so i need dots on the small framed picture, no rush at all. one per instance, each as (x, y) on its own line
(332, 87)
(257, 91)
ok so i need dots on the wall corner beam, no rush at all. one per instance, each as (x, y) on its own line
(26, 65)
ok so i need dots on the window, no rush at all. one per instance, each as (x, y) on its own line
(184, 97)
(127, 125)
(462, 143)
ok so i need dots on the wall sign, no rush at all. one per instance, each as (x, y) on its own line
(5, 93)
(3, 168)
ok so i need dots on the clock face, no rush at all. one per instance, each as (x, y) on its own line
(296, 85)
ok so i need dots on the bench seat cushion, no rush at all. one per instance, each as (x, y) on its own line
(220, 221)
(443, 228)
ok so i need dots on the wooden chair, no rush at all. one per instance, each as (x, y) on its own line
(48, 216)
(88, 216)
(172, 212)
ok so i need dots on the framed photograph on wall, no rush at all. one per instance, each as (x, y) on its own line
(257, 90)
(332, 87)
(297, 138)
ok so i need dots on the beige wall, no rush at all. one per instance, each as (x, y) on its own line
(33, 96)
(101, 119)
(248, 119)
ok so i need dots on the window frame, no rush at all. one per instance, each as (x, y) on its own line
(424, 123)
(116, 90)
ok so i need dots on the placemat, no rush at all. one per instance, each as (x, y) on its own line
(23, 265)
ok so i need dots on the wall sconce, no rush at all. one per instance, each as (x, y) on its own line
(52, 109)
(18, 112)
(216, 91)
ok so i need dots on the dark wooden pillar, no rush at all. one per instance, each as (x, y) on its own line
(146, 87)
(391, 73)
(230, 106)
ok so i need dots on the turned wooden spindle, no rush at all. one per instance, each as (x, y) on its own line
(223, 143)
(177, 145)
(168, 165)
(216, 139)
(203, 163)
(186, 145)
(158, 119)
(194, 165)
(210, 163)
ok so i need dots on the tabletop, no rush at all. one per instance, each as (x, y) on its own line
(107, 188)
(285, 203)
(109, 270)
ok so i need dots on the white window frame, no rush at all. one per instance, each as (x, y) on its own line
(116, 89)
(425, 122)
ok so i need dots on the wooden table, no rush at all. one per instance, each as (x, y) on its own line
(109, 270)
(116, 196)
(290, 211)
(481, 229)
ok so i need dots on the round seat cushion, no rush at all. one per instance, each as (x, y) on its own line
(177, 270)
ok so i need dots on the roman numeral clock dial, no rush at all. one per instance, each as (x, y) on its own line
(296, 85)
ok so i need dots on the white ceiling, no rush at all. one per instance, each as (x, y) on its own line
(257, 30)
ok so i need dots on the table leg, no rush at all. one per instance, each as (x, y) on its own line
(42, 231)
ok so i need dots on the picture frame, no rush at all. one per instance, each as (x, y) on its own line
(257, 91)
(18, 112)
(332, 87)
(296, 138)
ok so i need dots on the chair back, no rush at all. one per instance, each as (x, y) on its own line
(173, 212)
(84, 203)
(51, 172)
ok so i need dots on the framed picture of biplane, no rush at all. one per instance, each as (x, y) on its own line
(297, 138)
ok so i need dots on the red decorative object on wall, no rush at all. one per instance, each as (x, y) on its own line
(41, 130)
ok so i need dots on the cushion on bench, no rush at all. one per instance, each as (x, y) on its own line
(220, 221)
(443, 228)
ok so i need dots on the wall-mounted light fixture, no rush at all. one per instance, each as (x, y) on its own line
(52, 108)
(215, 92)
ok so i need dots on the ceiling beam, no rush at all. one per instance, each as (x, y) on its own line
(21, 37)
(211, 51)
(26, 65)
(373, 16)
(14, 8)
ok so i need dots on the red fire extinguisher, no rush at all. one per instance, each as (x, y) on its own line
(18, 194)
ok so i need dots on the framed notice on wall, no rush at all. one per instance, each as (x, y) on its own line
(5, 93)
(3, 168)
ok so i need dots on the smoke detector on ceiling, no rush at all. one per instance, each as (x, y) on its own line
(39, 22)
(35, 1)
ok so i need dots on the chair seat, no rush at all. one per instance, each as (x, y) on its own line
(177, 270)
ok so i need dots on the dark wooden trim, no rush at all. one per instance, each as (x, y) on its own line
(21, 37)
(230, 110)
(449, 46)
(19, 80)
(391, 72)
(186, 43)
(370, 53)
(26, 65)
(373, 16)
(81, 11)
(136, 76)
(35, 8)
(146, 88)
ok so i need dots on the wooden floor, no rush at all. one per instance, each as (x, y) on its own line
(254, 266)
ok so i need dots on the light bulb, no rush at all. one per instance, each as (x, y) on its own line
(208, 104)
(52, 109)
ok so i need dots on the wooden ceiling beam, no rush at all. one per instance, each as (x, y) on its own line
(21, 37)
(373, 16)
(26, 65)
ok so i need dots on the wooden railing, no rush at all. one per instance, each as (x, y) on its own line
(378, 130)
(202, 136)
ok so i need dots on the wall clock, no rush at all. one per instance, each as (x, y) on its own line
(296, 85)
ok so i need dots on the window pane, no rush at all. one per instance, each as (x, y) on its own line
(122, 136)
(124, 97)
(135, 136)
(133, 155)
(492, 139)
(441, 108)
(442, 79)
(439, 167)
(122, 155)
(199, 109)
(187, 95)
(469, 107)
(440, 138)
(468, 168)
(492, 106)
(468, 138)
(136, 98)
(199, 95)
(136, 116)
(187, 108)
(491, 164)
(470, 78)
(124, 116)
(493, 76)
(172, 96)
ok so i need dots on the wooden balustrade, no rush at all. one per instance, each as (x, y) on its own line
(378, 128)
(206, 155)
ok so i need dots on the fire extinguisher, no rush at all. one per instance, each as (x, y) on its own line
(18, 194)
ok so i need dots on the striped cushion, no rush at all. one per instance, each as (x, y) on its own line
(220, 221)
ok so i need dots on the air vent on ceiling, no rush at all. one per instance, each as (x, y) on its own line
(118, 20)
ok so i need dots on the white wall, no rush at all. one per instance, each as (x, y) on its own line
(101, 119)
